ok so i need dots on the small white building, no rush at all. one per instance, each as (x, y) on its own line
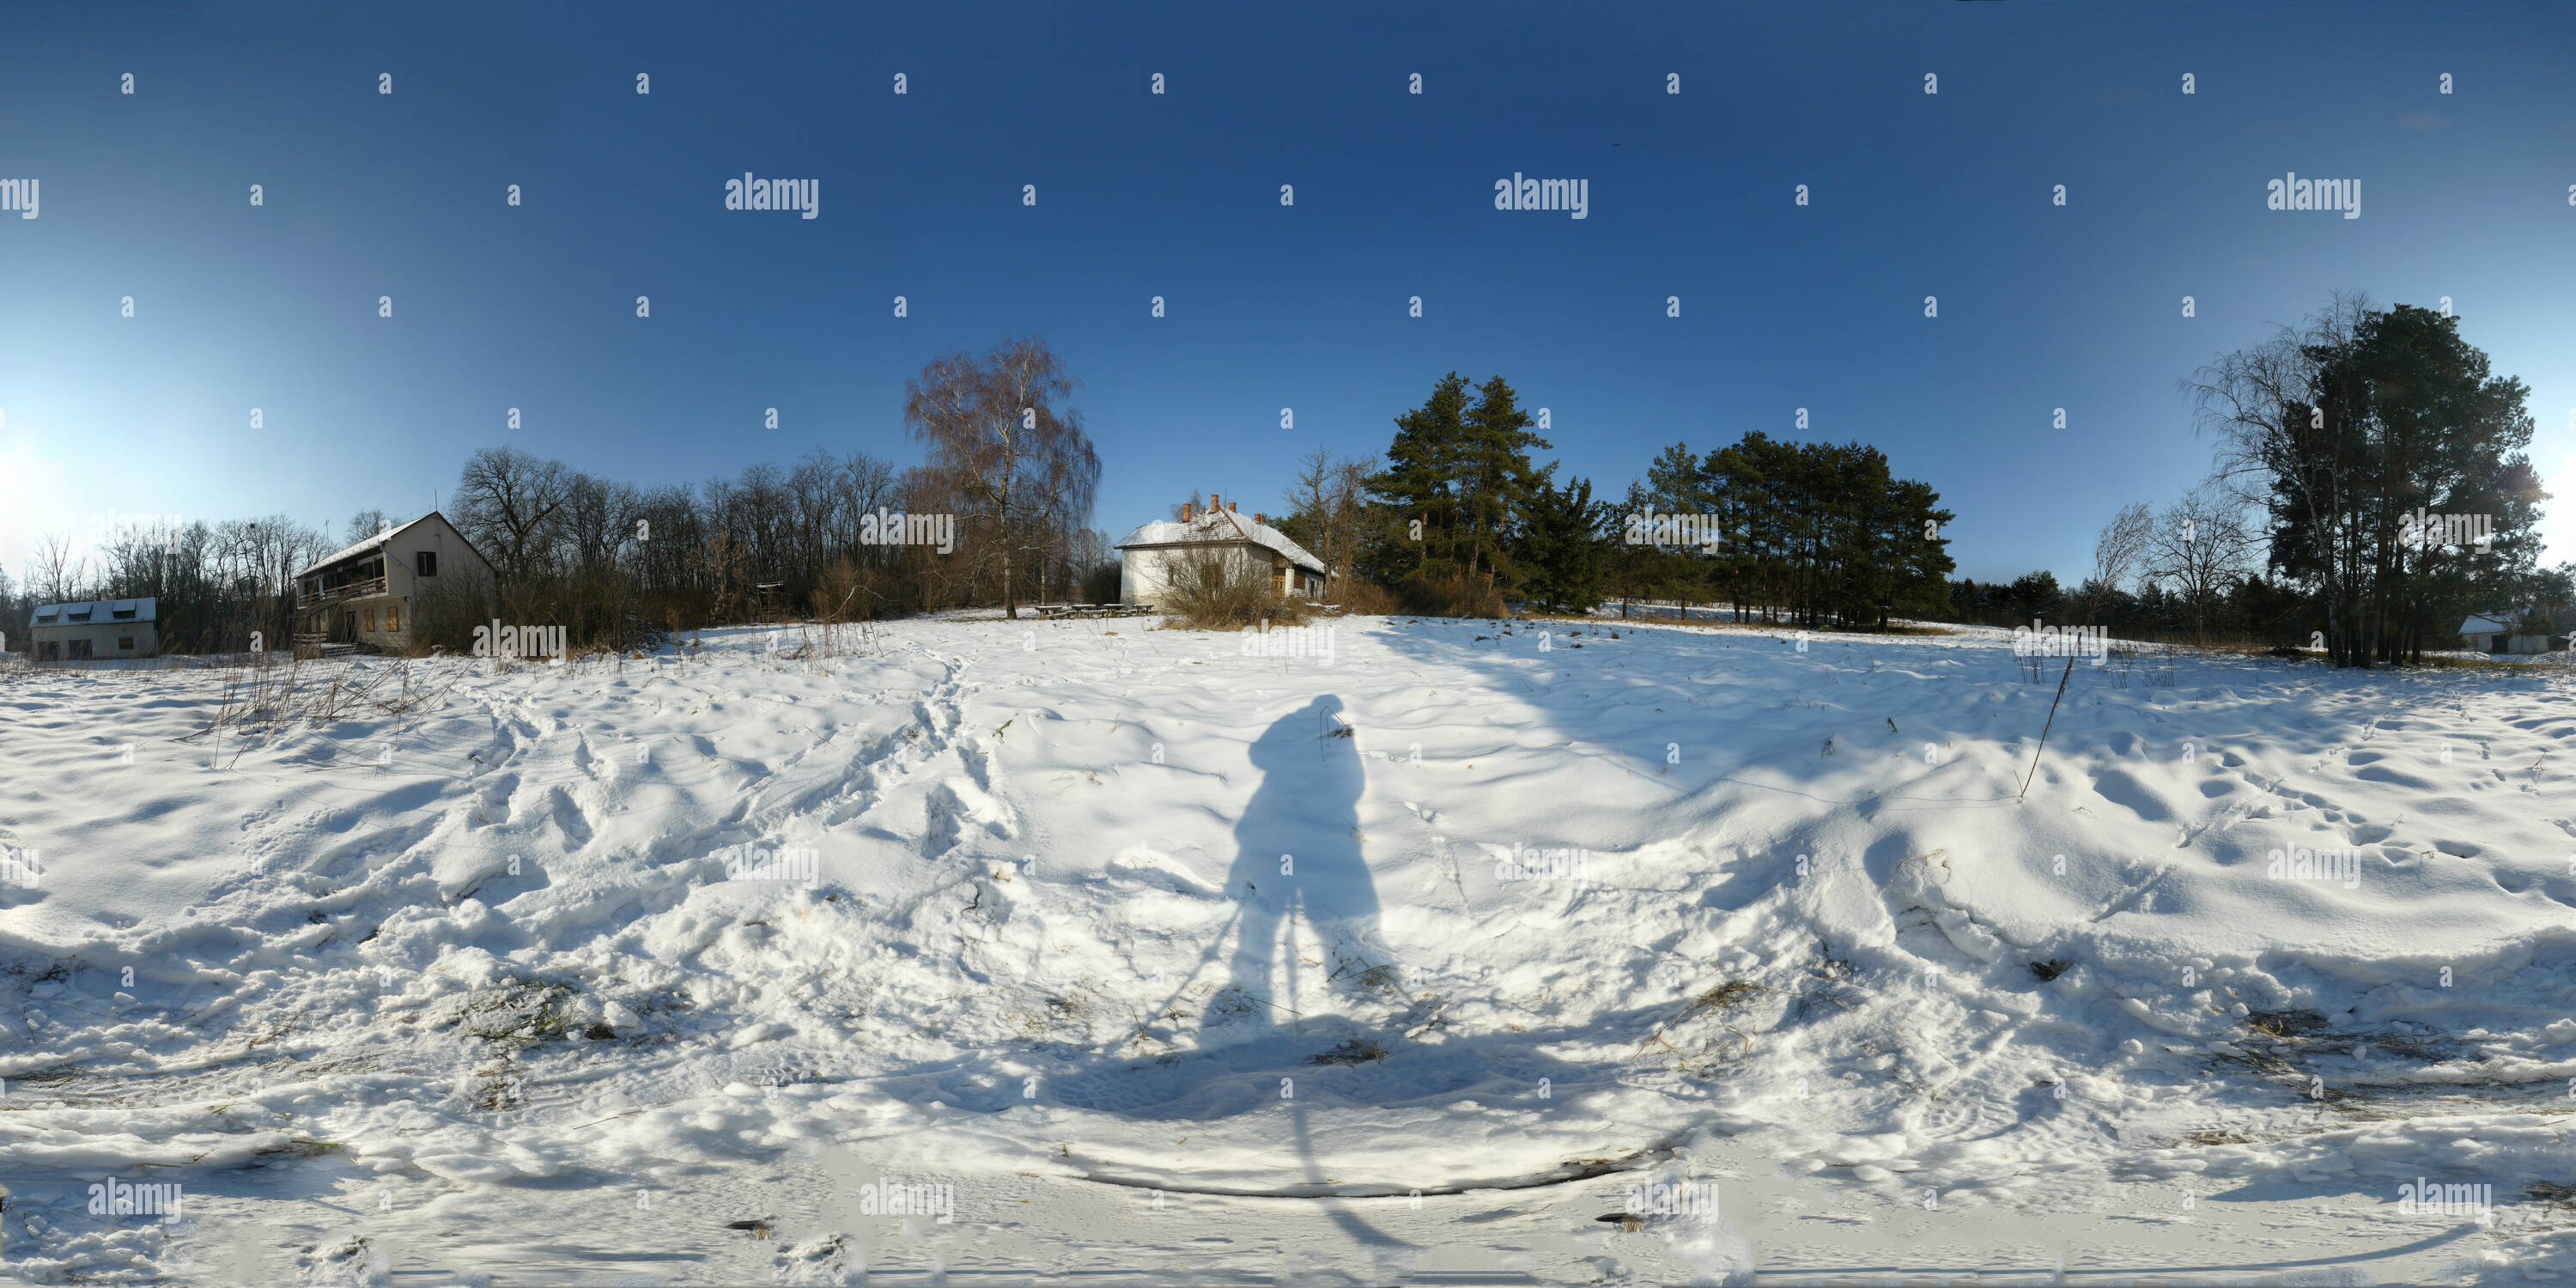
(364, 594)
(100, 628)
(2484, 633)
(2493, 633)
(1146, 556)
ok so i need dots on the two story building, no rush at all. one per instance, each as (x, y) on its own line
(364, 596)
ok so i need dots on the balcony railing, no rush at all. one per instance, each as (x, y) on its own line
(347, 590)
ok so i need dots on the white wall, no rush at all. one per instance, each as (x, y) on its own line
(1144, 575)
(102, 637)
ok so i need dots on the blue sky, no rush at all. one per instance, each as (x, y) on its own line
(370, 195)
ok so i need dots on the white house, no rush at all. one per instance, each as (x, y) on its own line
(2493, 633)
(100, 628)
(364, 594)
(1147, 555)
(2485, 634)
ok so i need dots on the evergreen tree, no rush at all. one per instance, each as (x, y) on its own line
(1563, 553)
(1497, 483)
(1419, 485)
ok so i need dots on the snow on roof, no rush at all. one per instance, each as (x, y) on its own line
(1220, 525)
(96, 612)
(368, 544)
(2481, 624)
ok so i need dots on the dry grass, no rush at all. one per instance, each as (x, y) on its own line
(1644, 615)
(1711, 1053)
(1211, 590)
(1358, 595)
(2214, 1136)
(273, 692)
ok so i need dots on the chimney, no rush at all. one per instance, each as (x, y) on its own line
(1185, 511)
(1214, 505)
(1234, 508)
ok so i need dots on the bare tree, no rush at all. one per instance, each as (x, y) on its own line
(1327, 498)
(54, 574)
(365, 524)
(2201, 544)
(2117, 551)
(506, 504)
(598, 516)
(2276, 419)
(997, 440)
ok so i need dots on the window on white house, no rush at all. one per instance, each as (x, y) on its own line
(124, 643)
(427, 561)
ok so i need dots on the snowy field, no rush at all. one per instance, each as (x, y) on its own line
(1001, 952)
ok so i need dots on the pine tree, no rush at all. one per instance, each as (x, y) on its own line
(1497, 482)
(1563, 552)
(1419, 485)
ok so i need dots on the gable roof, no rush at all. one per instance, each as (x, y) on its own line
(96, 612)
(2481, 624)
(382, 538)
(1219, 526)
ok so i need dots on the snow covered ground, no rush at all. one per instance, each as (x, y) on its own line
(1004, 950)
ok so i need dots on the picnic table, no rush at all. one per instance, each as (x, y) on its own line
(1058, 612)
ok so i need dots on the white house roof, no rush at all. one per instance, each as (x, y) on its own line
(368, 544)
(1220, 525)
(96, 612)
(2481, 624)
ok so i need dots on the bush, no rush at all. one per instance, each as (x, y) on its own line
(444, 613)
(1360, 595)
(1215, 589)
(1100, 585)
(1449, 597)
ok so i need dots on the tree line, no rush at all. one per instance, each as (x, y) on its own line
(2370, 489)
(1457, 517)
(217, 583)
(1008, 473)
(1007, 469)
